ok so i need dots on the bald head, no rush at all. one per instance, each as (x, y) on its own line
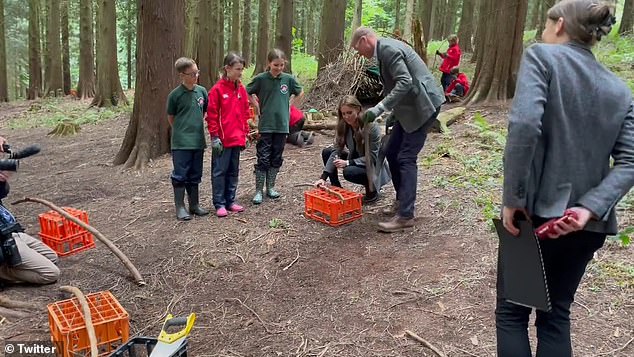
(364, 41)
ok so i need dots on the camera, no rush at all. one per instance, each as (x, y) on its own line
(9, 253)
(13, 162)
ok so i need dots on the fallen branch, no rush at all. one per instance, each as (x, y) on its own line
(446, 118)
(256, 315)
(333, 192)
(12, 314)
(293, 262)
(124, 259)
(12, 304)
(90, 328)
(611, 353)
(424, 342)
(330, 125)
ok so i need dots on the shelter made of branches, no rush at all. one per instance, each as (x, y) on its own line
(349, 75)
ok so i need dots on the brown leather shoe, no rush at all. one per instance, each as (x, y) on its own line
(396, 224)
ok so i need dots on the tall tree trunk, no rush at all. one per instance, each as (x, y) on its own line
(207, 63)
(419, 40)
(496, 70)
(333, 20)
(109, 91)
(35, 61)
(310, 28)
(627, 21)
(535, 7)
(44, 11)
(128, 42)
(541, 22)
(4, 87)
(450, 17)
(54, 78)
(160, 40)
(235, 27)
(246, 33)
(465, 29)
(480, 31)
(358, 13)
(397, 16)
(65, 47)
(220, 30)
(284, 35)
(264, 24)
(192, 26)
(427, 19)
(407, 26)
(86, 84)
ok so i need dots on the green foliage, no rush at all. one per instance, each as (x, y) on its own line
(51, 111)
(277, 223)
(624, 237)
(617, 54)
(304, 67)
(487, 134)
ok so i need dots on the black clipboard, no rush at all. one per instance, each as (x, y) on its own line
(523, 276)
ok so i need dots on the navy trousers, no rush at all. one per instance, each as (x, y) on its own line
(188, 167)
(225, 169)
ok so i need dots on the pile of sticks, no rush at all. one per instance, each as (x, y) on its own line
(348, 75)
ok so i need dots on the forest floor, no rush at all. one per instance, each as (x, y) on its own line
(270, 282)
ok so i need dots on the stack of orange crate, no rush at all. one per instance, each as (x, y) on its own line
(326, 207)
(68, 327)
(64, 236)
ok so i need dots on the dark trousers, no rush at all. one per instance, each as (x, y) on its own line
(269, 151)
(401, 153)
(458, 90)
(188, 166)
(224, 182)
(445, 80)
(297, 127)
(565, 260)
(354, 174)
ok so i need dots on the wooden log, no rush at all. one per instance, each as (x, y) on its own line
(325, 125)
(445, 119)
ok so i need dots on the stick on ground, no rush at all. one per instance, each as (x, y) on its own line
(90, 328)
(124, 259)
(424, 342)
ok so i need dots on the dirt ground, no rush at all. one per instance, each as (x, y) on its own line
(303, 288)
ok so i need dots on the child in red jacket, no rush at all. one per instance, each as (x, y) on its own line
(451, 59)
(227, 116)
(459, 86)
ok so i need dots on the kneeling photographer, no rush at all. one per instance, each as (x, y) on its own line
(23, 258)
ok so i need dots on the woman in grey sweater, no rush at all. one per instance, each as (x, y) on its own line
(570, 115)
(348, 153)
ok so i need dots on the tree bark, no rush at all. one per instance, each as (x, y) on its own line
(86, 84)
(480, 32)
(54, 77)
(541, 22)
(235, 27)
(535, 7)
(220, 30)
(264, 24)
(246, 33)
(284, 36)
(206, 60)
(496, 70)
(192, 26)
(426, 12)
(627, 21)
(109, 91)
(310, 28)
(65, 47)
(331, 37)
(358, 13)
(419, 40)
(128, 41)
(465, 30)
(407, 26)
(4, 86)
(35, 62)
(160, 40)
(397, 16)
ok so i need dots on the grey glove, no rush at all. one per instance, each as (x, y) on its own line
(216, 146)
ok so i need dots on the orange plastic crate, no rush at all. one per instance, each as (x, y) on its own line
(69, 245)
(68, 328)
(53, 224)
(326, 207)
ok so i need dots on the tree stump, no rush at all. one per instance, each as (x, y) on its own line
(65, 128)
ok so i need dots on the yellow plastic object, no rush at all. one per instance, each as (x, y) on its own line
(178, 321)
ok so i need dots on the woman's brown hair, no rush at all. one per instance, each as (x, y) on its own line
(340, 132)
(585, 21)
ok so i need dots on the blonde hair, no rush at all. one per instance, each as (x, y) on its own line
(585, 21)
